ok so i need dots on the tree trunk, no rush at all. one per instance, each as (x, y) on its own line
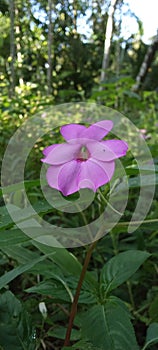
(74, 17)
(107, 42)
(12, 48)
(118, 45)
(18, 14)
(50, 40)
(146, 64)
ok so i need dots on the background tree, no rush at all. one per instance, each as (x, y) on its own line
(12, 47)
(50, 48)
(45, 47)
(107, 41)
(149, 56)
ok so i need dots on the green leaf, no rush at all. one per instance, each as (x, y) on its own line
(55, 289)
(18, 186)
(12, 237)
(109, 327)
(132, 170)
(121, 267)
(21, 254)
(62, 257)
(60, 333)
(9, 276)
(152, 335)
(23, 215)
(65, 260)
(16, 331)
(134, 182)
(62, 289)
(132, 94)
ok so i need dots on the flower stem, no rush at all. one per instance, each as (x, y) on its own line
(77, 294)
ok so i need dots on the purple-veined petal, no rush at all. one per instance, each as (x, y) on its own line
(96, 173)
(72, 131)
(98, 130)
(107, 150)
(48, 149)
(61, 154)
(68, 177)
(52, 176)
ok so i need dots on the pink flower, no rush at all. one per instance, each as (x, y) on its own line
(143, 131)
(143, 134)
(84, 160)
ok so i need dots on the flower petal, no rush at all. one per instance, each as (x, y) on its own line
(48, 149)
(94, 174)
(52, 176)
(107, 150)
(68, 178)
(72, 131)
(98, 130)
(108, 167)
(62, 153)
(118, 147)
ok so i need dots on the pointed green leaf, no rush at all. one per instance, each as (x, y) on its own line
(12, 237)
(9, 276)
(121, 267)
(109, 327)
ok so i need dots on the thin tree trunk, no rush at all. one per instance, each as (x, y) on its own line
(18, 40)
(50, 41)
(107, 42)
(75, 17)
(146, 64)
(12, 47)
(118, 46)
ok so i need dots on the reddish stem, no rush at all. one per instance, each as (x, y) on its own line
(77, 294)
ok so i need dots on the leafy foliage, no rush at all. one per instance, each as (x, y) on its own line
(114, 329)
(152, 335)
(120, 268)
(16, 330)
